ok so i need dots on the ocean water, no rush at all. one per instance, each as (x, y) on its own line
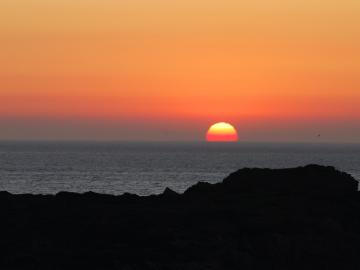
(148, 168)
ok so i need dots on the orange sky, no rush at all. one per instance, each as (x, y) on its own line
(156, 69)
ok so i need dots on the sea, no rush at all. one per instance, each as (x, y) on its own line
(146, 168)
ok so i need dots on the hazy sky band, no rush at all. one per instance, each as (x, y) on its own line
(174, 65)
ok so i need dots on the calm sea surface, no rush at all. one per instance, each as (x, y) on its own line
(147, 168)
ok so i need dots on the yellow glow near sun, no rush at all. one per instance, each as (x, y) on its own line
(221, 132)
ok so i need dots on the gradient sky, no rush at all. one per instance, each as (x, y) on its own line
(278, 70)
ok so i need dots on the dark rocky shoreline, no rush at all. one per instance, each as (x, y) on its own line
(300, 218)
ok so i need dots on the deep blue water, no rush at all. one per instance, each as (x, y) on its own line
(147, 168)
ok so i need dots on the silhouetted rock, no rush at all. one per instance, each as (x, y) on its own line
(311, 178)
(169, 193)
(298, 218)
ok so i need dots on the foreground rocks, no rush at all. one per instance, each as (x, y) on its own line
(301, 218)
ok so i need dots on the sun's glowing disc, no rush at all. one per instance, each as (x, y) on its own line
(221, 132)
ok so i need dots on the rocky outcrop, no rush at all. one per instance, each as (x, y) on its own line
(299, 218)
(302, 180)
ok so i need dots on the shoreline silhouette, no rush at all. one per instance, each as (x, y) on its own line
(296, 218)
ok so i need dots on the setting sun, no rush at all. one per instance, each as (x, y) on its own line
(221, 132)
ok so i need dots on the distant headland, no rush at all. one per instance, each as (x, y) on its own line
(296, 218)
